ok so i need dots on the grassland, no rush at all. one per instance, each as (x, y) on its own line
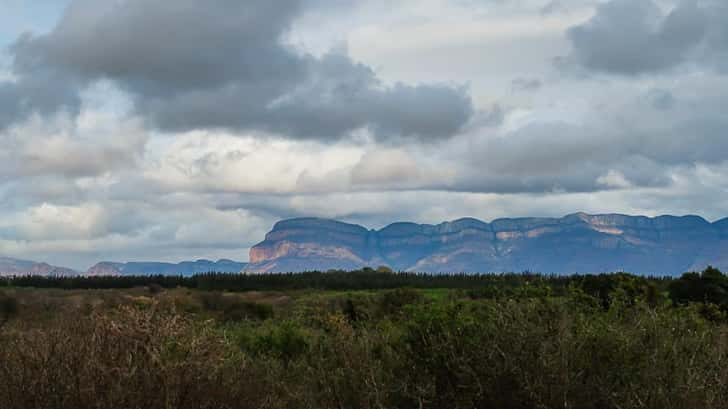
(523, 342)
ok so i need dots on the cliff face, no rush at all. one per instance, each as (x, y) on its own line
(312, 244)
(575, 243)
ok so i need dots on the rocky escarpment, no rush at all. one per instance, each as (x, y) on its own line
(577, 243)
(153, 268)
(313, 244)
(15, 267)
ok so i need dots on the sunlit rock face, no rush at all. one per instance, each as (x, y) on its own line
(313, 244)
(577, 243)
(15, 267)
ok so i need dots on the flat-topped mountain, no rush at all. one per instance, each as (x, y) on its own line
(15, 267)
(577, 243)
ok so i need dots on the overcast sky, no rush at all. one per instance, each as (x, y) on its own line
(183, 129)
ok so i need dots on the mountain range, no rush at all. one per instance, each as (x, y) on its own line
(11, 267)
(15, 267)
(577, 243)
(186, 268)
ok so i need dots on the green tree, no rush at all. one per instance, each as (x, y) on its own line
(710, 286)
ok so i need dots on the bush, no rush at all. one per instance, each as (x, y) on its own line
(393, 301)
(710, 286)
(232, 308)
(213, 301)
(155, 288)
(239, 311)
(286, 341)
(8, 308)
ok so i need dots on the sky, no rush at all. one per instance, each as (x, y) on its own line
(181, 129)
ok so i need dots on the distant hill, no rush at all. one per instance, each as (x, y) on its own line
(577, 243)
(11, 267)
(151, 268)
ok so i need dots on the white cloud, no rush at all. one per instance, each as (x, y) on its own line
(614, 179)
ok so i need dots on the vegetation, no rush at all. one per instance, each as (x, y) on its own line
(8, 308)
(509, 341)
(365, 279)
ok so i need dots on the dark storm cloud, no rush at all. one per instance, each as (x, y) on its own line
(556, 156)
(630, 147)
(336, 96)
(37, 89)
(634, 36)
(225, 64)
(716, 44)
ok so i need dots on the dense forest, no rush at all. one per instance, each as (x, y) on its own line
(365, 339)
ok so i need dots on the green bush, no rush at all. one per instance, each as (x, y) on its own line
(285, 340)
(392, 301)
(710, 286)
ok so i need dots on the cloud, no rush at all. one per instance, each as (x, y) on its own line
(631, 37)
(223, 64)
(636, 37)
(37, 92)
(385, 167)
(661, 99)
(614, 179)
(86, 233)
(87, 145)
(526, 84)
(621, 140)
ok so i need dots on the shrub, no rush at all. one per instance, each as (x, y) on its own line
(155, 288)
(213, 301)
(392, 301)
(710, 286)
(243, 310)
(8, 308)
(286, 341)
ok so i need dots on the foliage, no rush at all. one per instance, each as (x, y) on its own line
(521, 341)
(234, 309)
(8, 308)
(710, 286)
(482, 285)
(285, 341)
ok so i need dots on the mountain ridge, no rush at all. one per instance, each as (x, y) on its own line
(16, 267)
(575, 243)
(13, 266)
(186, 268)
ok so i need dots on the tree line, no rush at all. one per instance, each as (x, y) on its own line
(710, 285)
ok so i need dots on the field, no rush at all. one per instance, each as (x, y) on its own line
(513, 341)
